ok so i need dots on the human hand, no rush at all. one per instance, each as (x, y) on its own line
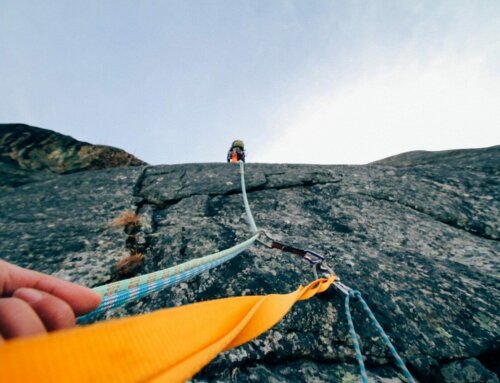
(33, 303)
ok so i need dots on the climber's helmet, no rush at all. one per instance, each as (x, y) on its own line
(238, 144)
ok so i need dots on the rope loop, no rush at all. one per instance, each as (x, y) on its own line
(354, 336)
(355, 294)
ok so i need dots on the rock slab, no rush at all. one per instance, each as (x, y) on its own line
(421, 243)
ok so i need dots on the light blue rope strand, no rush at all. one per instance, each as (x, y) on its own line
(385, 338)
(354, 337)
(122, 297)
(400, 363)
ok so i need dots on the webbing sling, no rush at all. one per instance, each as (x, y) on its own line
(168, 345)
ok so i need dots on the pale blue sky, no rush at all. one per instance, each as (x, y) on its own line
(298, 81)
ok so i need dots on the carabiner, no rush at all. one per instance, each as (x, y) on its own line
(313, 257)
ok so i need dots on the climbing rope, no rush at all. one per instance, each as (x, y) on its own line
(119, 293)
(354, 337)
(359, 357)
(251, 221)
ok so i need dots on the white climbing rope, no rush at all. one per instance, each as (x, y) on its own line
(250, 220)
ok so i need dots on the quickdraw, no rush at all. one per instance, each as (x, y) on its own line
(315, 259)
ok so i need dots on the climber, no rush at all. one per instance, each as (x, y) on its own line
(34, 303)
(236, 152)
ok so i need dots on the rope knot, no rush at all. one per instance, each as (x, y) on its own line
(354, 293)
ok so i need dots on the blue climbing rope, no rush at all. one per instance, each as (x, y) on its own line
(357, 295)
(354, 337)
(114, 297)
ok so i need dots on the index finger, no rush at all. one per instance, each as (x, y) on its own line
(80, 298)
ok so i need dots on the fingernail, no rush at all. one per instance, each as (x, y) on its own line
(30, 296)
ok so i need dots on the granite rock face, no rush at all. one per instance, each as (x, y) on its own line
(420, 242)
(29, 154)
(465, 158)
(467, 371)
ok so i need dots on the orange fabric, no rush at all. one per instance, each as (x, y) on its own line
(169, 345)
(234, 158)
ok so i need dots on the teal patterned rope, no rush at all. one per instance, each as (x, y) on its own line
(126, 284)
(119, 293)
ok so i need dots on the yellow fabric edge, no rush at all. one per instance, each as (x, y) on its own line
(169, 345)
